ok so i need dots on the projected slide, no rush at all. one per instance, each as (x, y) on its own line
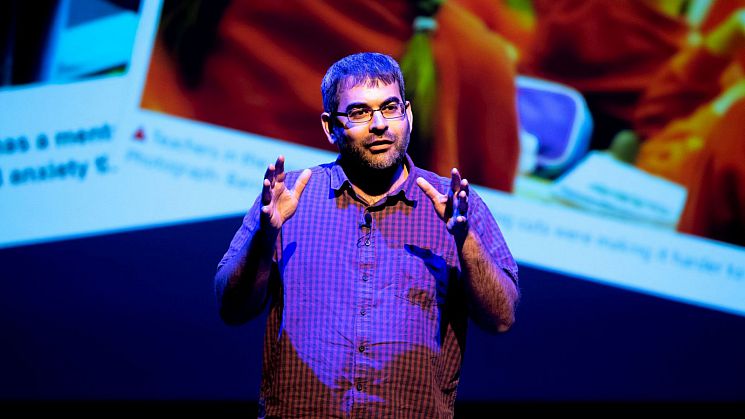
(583, 131)
(62, 92)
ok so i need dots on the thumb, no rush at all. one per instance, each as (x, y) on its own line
(301, 183)
(428, 190)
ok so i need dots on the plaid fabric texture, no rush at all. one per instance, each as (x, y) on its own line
(367, 314)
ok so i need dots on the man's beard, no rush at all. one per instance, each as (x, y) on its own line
(357, 155)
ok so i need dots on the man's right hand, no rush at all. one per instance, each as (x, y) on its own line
(278, 202)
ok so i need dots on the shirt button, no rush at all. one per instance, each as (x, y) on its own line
(361, 348)
(359, 387)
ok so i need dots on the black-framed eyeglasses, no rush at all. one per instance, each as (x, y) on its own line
(394, 110)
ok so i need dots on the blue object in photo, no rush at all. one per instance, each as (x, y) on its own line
(558, 116)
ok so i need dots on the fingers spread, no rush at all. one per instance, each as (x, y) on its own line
(269, 174)
(463, 202)
(266, 192)
(280, 169)
(463, 197)
(454, 180)
(464, 186)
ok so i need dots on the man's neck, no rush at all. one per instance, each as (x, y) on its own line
(371, 185)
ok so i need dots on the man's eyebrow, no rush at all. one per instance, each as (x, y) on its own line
(357, 105)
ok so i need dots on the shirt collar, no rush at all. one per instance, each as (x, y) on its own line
(406, 192)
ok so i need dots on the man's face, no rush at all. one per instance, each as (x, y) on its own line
(379, 143)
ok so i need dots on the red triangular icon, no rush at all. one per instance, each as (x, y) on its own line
(139, 135)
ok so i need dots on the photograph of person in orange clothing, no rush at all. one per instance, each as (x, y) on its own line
(688, 125)
(255, 67)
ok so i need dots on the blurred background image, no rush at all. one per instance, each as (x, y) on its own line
(65, 40)
(519, 92)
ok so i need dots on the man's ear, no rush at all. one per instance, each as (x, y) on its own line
(327, 129)
(409, 115)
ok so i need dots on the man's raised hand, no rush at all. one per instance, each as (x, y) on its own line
(452, 207)
(278, 204)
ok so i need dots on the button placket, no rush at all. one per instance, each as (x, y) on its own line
(364, 300)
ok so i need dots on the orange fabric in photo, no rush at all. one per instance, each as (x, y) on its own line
(265, 73)
(608, 50)
(668, 153)
(689, 80)
(715, 206)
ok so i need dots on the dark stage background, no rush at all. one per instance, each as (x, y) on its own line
(132, 316)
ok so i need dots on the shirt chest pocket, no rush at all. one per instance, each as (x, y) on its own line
(423, 282)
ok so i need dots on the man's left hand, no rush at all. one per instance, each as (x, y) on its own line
(451, 207)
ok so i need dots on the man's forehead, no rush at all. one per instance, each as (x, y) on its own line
(350, 83)
(368, 91)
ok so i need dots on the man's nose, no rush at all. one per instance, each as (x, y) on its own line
(378, 122)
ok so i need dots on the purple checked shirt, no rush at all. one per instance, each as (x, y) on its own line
(368, 312)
